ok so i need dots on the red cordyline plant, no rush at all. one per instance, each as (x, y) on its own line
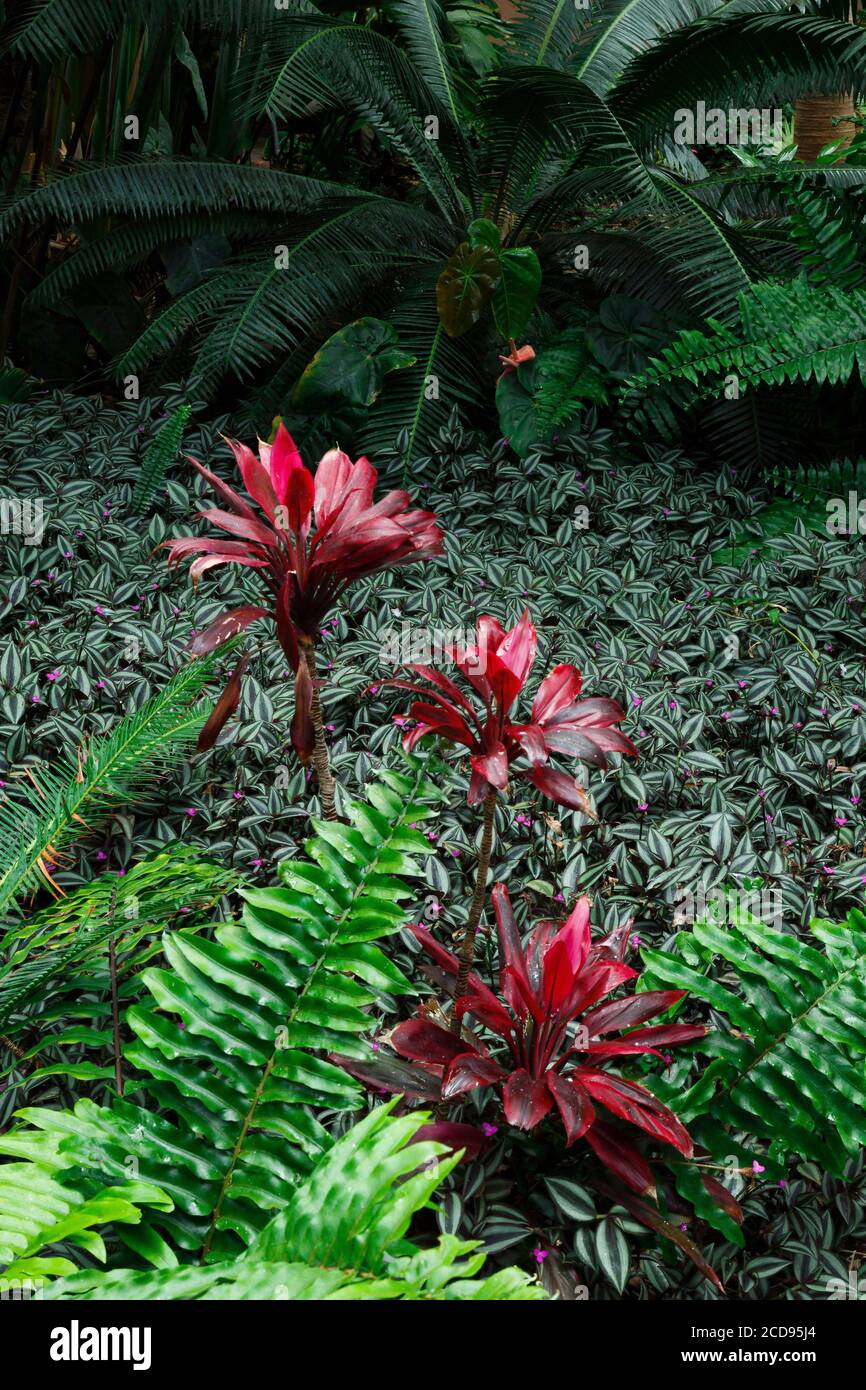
(319, 534)
(557, 1038)
(497, 668)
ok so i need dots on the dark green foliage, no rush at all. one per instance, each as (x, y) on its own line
(227, 1050)
(319, 1248)
(786, 1057)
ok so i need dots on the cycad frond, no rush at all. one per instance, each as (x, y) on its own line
(422, 28)
(752, 61)
(41, 950)
(312, 62)
(37, 822)
(547, 33)
(143, 187)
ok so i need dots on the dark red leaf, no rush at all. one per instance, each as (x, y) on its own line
(561, 788)
(224, 708)
(526, 1099)
(626, 1013)
(621, 1158)
(723, 1198)
(423, 1041)
(468, 1071)
(222, 628)
(303, 733)
(573, 1104)
(639, 1106)
(650, 1216)
(386, 1073)
(456, 1136)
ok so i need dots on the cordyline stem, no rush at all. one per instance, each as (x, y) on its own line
(321, 760)
(466, 954)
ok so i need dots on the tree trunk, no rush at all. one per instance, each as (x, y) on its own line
(321, 761)
(466, 954)
(815, 113)
(813, 124)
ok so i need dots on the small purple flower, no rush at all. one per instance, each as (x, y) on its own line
(489, 1130)
(841, 820)
(540, 1255)
(643, 805)
(53, 676)
(757, 1167)
(637, 700)
(190, 811)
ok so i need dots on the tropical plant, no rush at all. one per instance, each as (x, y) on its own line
(161, 453)
(68, 967)
(307, 573)
(785, 1074)
(37, 822)
(497, 668)
(319, 1248)
(556, 1035)
(567, 143)
(227, 1071)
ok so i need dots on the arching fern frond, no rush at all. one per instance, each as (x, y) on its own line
(341, 1236)
(786, 333)
(789, 1069)
(161, 453)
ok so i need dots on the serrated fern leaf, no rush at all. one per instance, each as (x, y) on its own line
(789, 1070)
(229, 1044)
(787, 333)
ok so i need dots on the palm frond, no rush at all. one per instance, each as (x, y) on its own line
(39, 820)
